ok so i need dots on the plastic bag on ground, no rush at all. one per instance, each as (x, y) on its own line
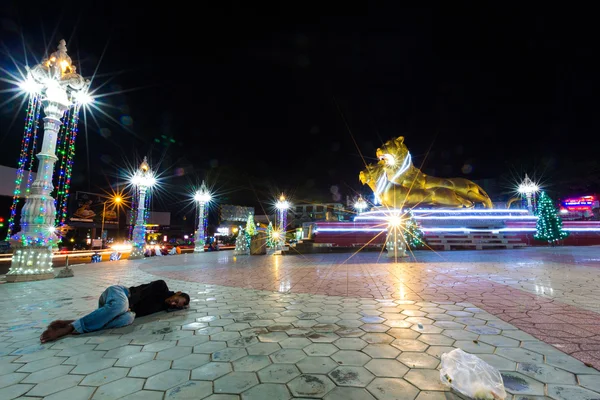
(471, 376)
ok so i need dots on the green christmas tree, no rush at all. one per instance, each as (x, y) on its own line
(413, 235)
(549, 224)
(250, 228)
(270, 241)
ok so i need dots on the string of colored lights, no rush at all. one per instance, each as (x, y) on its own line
(132, 215)
(36, 127)
(28, 146)
(61, 153)
(66, 170)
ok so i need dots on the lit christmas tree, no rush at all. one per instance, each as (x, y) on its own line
(271, 243)
(250, 228)
(413, 235)
(549, 224)
(241, 244)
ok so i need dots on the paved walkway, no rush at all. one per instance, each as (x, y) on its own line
(333, 326)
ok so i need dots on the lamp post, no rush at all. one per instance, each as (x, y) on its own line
(360, 205)
(282, 207)
(395, 245)
(143, 180)
(116, 200)
(60, 88)
(528, 188)
(202, 196)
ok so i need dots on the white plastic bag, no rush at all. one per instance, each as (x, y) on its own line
(471, 376)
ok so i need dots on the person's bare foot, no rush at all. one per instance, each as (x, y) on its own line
(52, 334)
(60, 323)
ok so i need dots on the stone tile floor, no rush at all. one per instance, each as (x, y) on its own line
(263, 332)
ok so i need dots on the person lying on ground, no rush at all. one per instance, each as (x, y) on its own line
(118, 306)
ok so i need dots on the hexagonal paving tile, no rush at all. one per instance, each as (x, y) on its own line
(263, 349)
(570, 364)
(425, 379)
(350, 344)
(517, 383)
(311, 385)
(279, 373)
(119, 388)
(229, 354)
(211, 371)
(403, 333)
(189, 390)
(377, 338)
(351, 357)
(320, 349)
(251, 363)
(418, 360)
(546, 373)
(410, 345)
(191, 361)
(286, 356)
(381, 351)
(295, 343)
(474, 347)
(349, 393)
(392, 388)
(436, 340)
(209, 347)
(520, 355)
(167, 379)
(566, 392)
(104, 376)
(316, 365)
(386, 368)
(501, 363)
(267, 391)
(173, 353)
(235, 382)
(150, 368)
(351, 376)
(272, 337)
(483, 330)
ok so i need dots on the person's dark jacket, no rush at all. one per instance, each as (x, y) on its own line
(149, 298)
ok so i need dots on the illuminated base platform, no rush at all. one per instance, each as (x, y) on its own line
(476, 229)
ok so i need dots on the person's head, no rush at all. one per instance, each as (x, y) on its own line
(178, 300)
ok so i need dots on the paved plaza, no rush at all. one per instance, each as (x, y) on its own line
(333, 326)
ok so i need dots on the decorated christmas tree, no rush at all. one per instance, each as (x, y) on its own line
(549, 224)
(241, 244)
(271, 243)
(250, 228)
(413, 235)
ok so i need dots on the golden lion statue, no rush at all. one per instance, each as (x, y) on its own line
(397, 183)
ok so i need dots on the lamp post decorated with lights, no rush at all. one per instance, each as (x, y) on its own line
(395, 244)
(143, 179)
(282, 206)
(528, 188)
(57, 88)
(360, 205)
(202, 197)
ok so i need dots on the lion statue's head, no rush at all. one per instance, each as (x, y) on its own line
(370, 175)
(393, 152)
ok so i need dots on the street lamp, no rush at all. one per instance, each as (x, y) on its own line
(395, 245)
(282, 206)
(115, 201)
(202, 196)
(143, 179)
(360, 205)
(528, 188)
(59, 86)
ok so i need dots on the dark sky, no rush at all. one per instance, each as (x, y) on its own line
(260, 99)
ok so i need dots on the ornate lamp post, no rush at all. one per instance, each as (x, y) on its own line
(202, 196)
(282, 207)
(395, 245)
(143, 179)
(528, 188)
(360, 205)
(60, 88)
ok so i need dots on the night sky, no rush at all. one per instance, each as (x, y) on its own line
(260, 99)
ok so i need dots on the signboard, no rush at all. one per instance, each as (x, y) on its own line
(89, 207)
(584, 203)
(235, 213)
